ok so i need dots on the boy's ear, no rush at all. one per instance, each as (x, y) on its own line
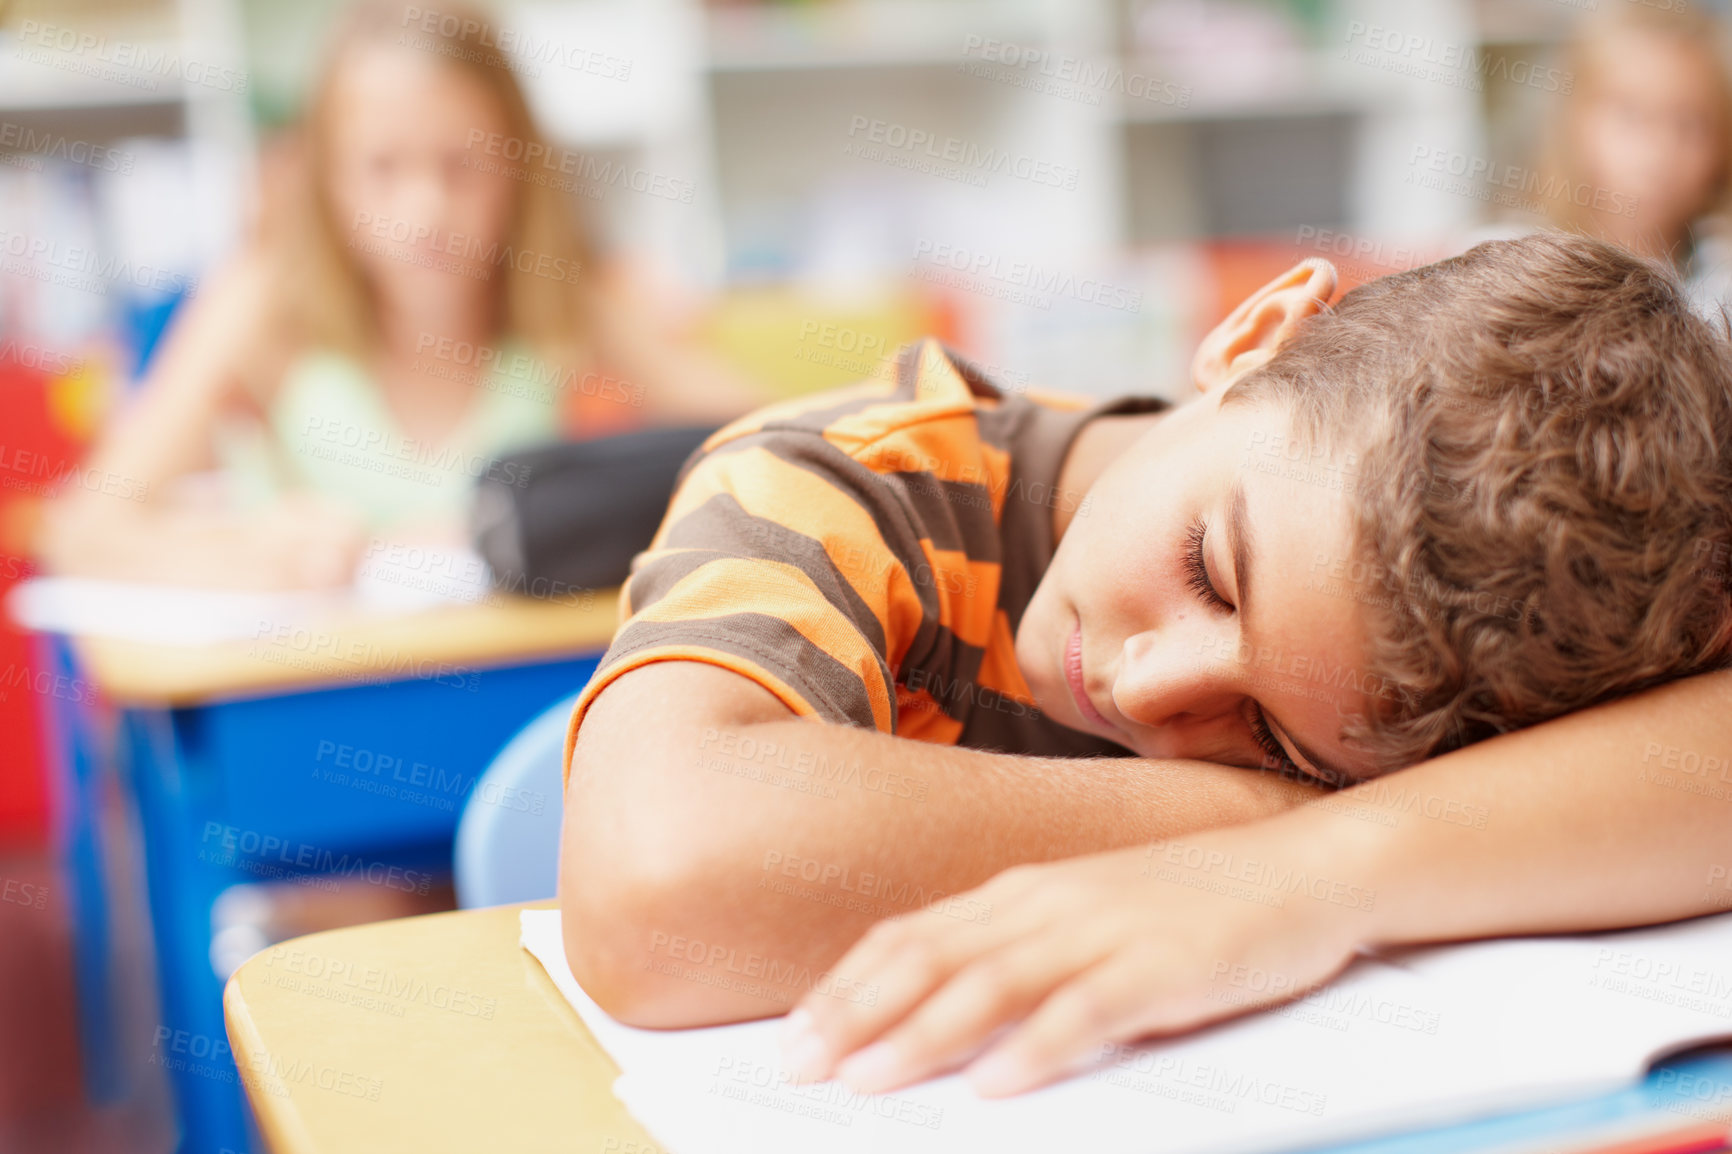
(1253, 331)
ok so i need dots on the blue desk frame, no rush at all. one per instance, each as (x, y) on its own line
(364, 781)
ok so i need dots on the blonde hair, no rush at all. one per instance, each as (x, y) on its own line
(1584, 57)
(323, 295)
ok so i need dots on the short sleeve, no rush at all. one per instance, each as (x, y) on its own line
(783, 559)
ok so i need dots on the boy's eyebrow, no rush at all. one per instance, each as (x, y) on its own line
(1239, 543)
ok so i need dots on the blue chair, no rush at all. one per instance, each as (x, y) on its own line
(507, 847)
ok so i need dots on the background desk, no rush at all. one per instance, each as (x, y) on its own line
(505, 1065)
(350, 748)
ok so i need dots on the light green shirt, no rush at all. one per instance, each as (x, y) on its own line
(330, 433)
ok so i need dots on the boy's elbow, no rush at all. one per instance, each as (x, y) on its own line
(624, 914)
(654, 878)
(609, 949)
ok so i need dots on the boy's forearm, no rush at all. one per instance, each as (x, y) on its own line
(797, 836)
(1616, 816)
(955, 816)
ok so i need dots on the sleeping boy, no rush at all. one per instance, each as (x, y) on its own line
(969, 662)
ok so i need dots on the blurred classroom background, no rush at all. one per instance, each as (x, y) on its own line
(1068, 191)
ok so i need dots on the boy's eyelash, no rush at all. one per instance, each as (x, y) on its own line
(1271, 748)
(1197, 571)
(1197, 579)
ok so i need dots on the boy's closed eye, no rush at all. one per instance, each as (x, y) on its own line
(1201, 582)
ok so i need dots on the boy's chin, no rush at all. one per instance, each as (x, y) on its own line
(1073, 726)
(1041, 673)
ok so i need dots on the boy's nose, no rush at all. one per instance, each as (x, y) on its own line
(1177, 678)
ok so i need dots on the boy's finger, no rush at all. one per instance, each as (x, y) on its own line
(1104, 1004)
(821, 1031)
(900, 962)
(958, 1018)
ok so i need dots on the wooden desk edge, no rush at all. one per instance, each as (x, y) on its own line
(293, 1123)
(460, 641)
(279, 1122)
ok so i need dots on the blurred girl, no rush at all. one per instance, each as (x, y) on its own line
(413, 308)
(1643, 146)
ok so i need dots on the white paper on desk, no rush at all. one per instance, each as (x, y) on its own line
(155, 614)
(391, 580)
(407, 578)
(1436, 1036)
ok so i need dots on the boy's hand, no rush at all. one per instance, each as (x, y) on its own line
(1073, 954)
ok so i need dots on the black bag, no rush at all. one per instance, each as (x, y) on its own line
(574, 514)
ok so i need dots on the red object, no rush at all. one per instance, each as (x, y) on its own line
(602, 405)
(34, 454)
(1241, 267)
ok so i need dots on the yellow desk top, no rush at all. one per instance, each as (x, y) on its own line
(440, 644)
(420, 1035)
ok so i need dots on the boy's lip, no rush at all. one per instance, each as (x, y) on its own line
(1073, 676)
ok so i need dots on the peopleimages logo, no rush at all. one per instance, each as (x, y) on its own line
(141, 66)
(521, 159)
(471, 252)
(1430, 58)
(45, 258)
(1485, 179)
(965, 157)
(985, 269)
(520, 44)
(58, 146)
(1062, 74)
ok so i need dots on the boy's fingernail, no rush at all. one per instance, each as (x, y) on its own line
(997, 1075)
(877, 1067)
(802, 1048)
(798, 1021)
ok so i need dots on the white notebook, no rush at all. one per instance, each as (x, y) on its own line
(388, 581)
(1435, 1036)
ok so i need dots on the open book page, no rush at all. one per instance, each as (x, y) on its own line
(1426, 1038)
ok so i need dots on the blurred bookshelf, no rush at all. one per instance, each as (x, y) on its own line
(897, 34)
(1138, 133)
(1183, 124)
(126, 143)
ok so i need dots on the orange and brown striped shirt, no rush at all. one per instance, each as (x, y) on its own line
(866, 556)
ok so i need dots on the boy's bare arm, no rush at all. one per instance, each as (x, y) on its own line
(720, 853)
(1616, 816)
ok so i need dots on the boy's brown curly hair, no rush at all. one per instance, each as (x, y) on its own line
(1544, 486)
